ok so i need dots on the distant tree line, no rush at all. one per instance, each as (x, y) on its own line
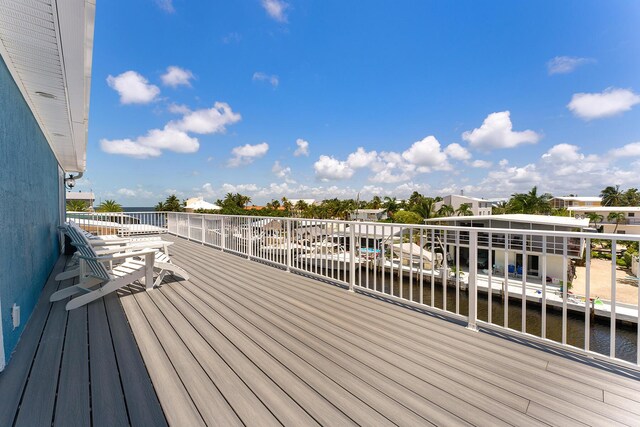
(415, 209)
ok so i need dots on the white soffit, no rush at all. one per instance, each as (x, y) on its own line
(47, 46)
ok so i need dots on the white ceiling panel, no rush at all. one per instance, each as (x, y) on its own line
(47, 46)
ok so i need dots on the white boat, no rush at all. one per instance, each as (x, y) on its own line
(328, 255)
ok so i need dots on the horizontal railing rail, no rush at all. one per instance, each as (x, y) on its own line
(121, 223)
(563, 288)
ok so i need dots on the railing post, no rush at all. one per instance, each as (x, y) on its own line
(352, 257)
(249, 239)
(188, 227)
(202, 230)
(473, 276)
(288, 244)
(222, 233)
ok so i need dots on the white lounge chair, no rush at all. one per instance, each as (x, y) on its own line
(96, 281)
(162, 262)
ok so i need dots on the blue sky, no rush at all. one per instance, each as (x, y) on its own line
(323, 99)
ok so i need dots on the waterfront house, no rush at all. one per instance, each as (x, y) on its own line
(197, 203)
(630, 224)
(88, 197)
(575, 201)
(479, 207)
(369, 215)
(514, 247)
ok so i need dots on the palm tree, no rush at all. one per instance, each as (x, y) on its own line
(301, 208)
(500, 208)
(464, 210)
(631, 197)
(171, 204)
(286, 204)
(391, 204)
(595, 218)
(109, 206)
(531, 202)
(426, 207)
(446, 211)
(375, 203)
(618, 217)
(611, 196)
(77, 206)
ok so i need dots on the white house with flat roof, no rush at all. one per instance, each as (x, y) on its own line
(478, 206)
(629, 225)
(196, 203)
(513, 246)
(87, 196)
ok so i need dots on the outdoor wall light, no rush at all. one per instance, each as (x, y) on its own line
(70, 182)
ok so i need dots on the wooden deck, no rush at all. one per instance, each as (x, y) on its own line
(78, 368)
(245, 343)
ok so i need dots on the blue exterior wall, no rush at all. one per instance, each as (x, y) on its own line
(29, 209)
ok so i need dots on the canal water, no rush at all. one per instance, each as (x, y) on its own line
(599, 338)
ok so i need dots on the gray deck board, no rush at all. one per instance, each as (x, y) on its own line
(70, 366)
(144, 409)
(14, 378)
(550, 392)
(365, 360)
(109, 407)
(74, 406)
(38, 401)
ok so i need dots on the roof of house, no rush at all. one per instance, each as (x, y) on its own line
(580, 199)
(521, 218)
(604, 209)
(367, 211)
(78, 195)
(48, 50)
(201, 204)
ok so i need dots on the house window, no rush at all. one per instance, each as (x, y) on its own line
(631, 214)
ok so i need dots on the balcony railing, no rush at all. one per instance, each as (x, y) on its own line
(514, 281)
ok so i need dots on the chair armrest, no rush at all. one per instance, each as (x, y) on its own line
(122, 255)
(131, 246)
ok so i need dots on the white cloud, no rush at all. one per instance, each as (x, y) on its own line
(276, 9)
(169, 139)
(361, 158)
(566, 64)
(481, 164)
(329, 168)
(176, 76)
(282, 172)
(497, 132)
(178, 109)
(457, 151)
(388, 176)
(610, 102)
(127, 192)
(263, 77)
(629, 150)
(166, 5)
(140, 192)
(426, 153)
(152, 144)
(245, 154)
(174, 136)
(207, 120)
(133, 88)
(129, 148)
(303, 148)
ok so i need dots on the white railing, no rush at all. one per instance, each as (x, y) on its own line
(121, 223)
(513, 281)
